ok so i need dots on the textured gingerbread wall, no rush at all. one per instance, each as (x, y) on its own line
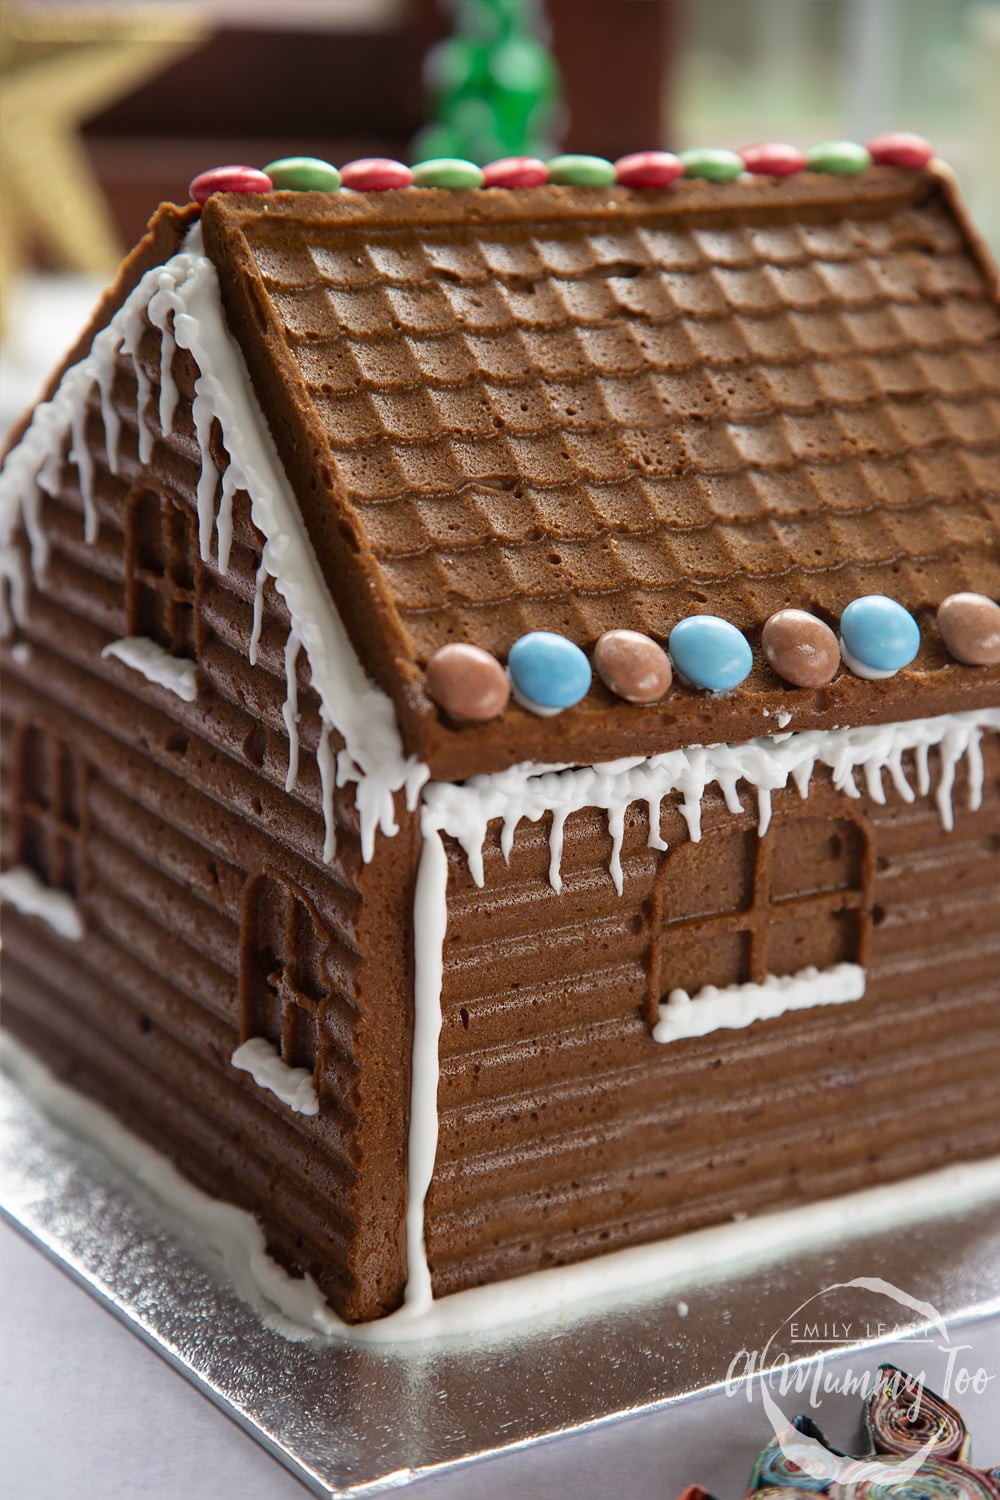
(178, 807)
(566, 1130)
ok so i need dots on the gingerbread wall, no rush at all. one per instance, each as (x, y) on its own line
(209, 912)
(566, 1130)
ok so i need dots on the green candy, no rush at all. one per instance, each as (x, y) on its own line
(838, 156)
(712, 163)
(581, 171)
(447, 172)
(304, 174)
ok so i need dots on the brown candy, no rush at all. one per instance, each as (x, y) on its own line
(970, 628)
(800, 649)
(468, 683)
(633, 666)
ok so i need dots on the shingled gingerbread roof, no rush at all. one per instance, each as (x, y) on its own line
(580, 409)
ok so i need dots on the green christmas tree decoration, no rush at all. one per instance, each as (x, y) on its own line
(493, 84)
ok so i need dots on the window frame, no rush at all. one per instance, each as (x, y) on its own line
(62, 829)
(300, 1010)
(759, 918)
(171, 585)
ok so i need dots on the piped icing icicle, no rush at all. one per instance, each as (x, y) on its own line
(181, 299)
(766, 765)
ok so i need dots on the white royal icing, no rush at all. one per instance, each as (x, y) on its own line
(177, 674)
(766, 765)
(293, 1086)
(181, 299)
(295, 1306)
(430, 922)
(733, 1006)
(23, 889)
(861, 669)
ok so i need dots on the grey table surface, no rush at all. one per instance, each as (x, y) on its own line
(89, 1411)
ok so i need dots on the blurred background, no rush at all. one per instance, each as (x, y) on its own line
(109, 106)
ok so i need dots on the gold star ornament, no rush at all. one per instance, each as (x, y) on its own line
(59, 66)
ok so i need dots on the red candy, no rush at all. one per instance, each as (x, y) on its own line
(229, 180)
(375, 174)
(648, 169)
(515, 172)
(773, 159)
(898, 148)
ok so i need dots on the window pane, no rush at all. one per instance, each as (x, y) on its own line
(35, 768)
(815, 941)
(692, 960)
(149, 543)
(815, 854)
(300, 1039)
(711, 878)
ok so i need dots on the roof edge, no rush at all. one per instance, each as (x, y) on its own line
(164, 233)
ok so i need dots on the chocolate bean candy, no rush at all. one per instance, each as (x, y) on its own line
(800, 649)
(303, 174)
(467, 682)
(633, 666)
(773, 159)
(515, 172)
(648, 169)
(581, 171)
(710, 653)
(231, 179)
(548, 671)
(447, 172)
(878, 636)
(843, 157)
(900, 148)
(712, 163)
(375, 174)
(970, 628)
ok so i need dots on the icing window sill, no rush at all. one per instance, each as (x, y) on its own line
(293, 1086)
(178, 674)
(738, 1005)
(24, 891)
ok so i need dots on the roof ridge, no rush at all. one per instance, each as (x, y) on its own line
(429, 208)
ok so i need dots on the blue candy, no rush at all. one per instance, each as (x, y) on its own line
(548, 671)
(710, 653)
(878, 636)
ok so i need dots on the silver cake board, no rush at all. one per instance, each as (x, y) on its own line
(358, 1420)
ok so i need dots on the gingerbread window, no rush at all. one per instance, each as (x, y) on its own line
(283, 980)
(735, 908)
(50, 808)
(162, 563)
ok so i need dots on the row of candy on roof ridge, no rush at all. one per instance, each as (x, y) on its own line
(640, 169)
(547, 673)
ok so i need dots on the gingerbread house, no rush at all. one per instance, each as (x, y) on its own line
(444, 1001)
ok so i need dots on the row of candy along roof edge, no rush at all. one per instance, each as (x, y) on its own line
(639, 169)
(547, 673)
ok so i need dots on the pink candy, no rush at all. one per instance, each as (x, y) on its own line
(899, 148)
(375, 174)
(773, 159)
(515, 172)
(648, 169)
(229, 180)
